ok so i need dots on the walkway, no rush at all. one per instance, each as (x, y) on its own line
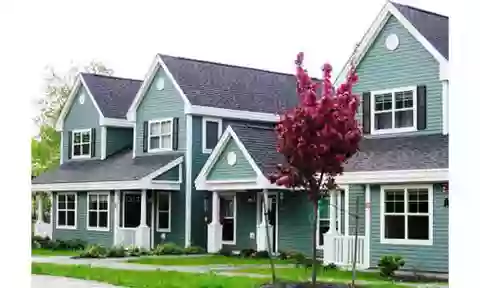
(41, 281)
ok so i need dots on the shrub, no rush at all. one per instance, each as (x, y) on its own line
(297, 258)
(224, 252)
(261, 254)
(194, 250)
(389, 264)
(330, 266)
(36, 245)
(117, 252)
(137, 251)
(168, 249)
(94, 251)
(246, 253)
(282, 255)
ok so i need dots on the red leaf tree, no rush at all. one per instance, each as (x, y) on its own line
(317, 137)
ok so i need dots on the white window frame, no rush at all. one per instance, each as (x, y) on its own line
(234, 198)
(124, 196)
(160, 121)
(204, 132)
(406, 241)
(393, 110)
(67, 227)
(158, 211)
(81, 131)
(323, 219)
(97, 228)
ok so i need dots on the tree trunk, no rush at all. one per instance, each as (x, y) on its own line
(314, 242)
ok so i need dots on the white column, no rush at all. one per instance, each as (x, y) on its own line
(215, 228)
(117, 237)
(143, 209)
(329, 237)
(142, 233)
(368, 215)
(332, 209)
(39, 208)
(264, 227)
(338, 218)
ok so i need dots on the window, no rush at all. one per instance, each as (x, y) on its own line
(227, 218)
(81, 143)
(394, 110)
(407, 215)
(160, 135)
(164, 206)
(98, 211)
(323, 220)
(67, 210)
(131, 209)
(211, 131)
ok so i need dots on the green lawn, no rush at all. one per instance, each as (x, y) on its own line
(48, 252)
(203, 260)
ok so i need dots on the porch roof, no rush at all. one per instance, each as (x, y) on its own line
(118, 167)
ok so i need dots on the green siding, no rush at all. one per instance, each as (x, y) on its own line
(170, 175)
(82, 116)
(93, 237)
(354, 192)
(409, 65)
(156, 104)
(241, 170)
(118, 139)
(426, 258)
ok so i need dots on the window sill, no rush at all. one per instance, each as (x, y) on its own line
(66, 227)
(163, 230)
(159, 150)
(81, 157)
(406, 242)
(207, 151)
(98, 229)
(393, 131)
(228, 242)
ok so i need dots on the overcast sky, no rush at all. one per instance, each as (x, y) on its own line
(263, 34)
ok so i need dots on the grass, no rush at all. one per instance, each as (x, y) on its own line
(49, 252)
(201, 261)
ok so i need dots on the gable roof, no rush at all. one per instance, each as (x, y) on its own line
(428, 28)
(114, 95)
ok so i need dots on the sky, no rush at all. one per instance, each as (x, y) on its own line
(262, 34)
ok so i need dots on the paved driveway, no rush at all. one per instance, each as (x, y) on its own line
(40, 281)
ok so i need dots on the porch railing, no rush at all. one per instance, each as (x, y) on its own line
(43, 229)
(339, 249)
(130, 237)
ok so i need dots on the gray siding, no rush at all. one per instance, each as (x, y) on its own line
(157, 104)
(82, 116)
(118, 139)
(426, 258)
(409, 65)
(170, 175)
(354, 192)
(104, 238)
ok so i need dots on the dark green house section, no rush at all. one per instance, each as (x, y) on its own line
(82, 116)
(118, 139)
(170, 175)
(432, 258)
(409, 65)
(104, 238)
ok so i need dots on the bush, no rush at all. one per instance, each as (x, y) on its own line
(94, 251)
(389, 264)
(297, 258)
(246, 253)
(224, 252)
(36, 245)
(117, 252)
(194, 250)
(331, 266)
(282, 255)
(261, 255)
(168, 249)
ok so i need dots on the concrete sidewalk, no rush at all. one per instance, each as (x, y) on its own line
(42, 281)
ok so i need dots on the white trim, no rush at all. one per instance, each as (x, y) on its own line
(393, 176)
(157, 211)
(103, 143)
(259, 209)
(134, 147)
(149, 136)
(170, 165)
(204, 132)
(445, 104)
(393, 110)
(152, 221)
(152, 71)
(114, 122)
(122, 220)
(66, 227)
(368, 217)
(234, 198)
(61, 148)
(406, 241)
(188, 180)
(377, 26)
(98, 194)
(321, 247)
(231, 114)
(81, 131)
(106, 185)
(346, 209)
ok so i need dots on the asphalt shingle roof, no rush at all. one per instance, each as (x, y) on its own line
(118, 167)
(376, 154)
(113, 95)
(433, 26)
(233, 87)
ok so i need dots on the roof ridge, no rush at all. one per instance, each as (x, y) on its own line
(110, 76)
(420, 9)
(255, 126)
(232, 65)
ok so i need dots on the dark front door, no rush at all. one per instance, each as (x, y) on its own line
(272, 219)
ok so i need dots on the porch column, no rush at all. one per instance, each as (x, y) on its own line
(215, 228)
(333, 212)
(264, 227)
(39, 208)
(117, 237)
(329, 237)
(142, 233)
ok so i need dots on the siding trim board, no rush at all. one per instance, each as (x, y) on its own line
(394, 176)
(368, 39)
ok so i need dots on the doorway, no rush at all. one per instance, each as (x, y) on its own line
(272, 214)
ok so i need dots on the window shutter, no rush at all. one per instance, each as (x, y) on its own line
(70, 143)
(366, 112)
(145, 136)
(175, 134)
(421, 107)
(92, 142)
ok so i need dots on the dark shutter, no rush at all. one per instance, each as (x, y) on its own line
(421, 107)
(175, 134)
(366, 112)
(145, 136)
(92, 142)
(70, 143)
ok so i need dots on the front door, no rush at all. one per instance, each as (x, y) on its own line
(271, 214)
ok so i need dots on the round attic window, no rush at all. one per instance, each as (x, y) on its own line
(81, 98)
(392, 42)
(231, 158)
